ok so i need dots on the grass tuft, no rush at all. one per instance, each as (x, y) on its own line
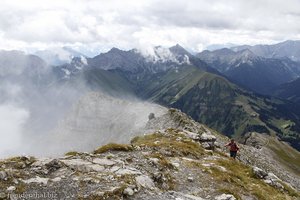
(240, 179)
(72, 153)
(113, 147)
(170, 142)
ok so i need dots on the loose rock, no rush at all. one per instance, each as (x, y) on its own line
(128, 191)
(3, 175)
(225, 197)
(145, 182)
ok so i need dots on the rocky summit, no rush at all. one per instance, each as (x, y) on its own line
(178, 159)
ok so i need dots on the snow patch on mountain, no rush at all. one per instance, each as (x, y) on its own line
(83, 60)
(163, 55)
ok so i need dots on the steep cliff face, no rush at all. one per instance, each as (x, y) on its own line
(178, 159)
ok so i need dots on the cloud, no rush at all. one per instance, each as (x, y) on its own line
(97, 119)
(104, 24)
(12, 120)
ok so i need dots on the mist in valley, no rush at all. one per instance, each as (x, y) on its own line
(43, 115)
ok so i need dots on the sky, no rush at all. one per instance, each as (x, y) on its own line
(94, 26)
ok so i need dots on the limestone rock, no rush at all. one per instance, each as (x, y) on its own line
(268, 178)
(225, 197)
(11, 188)
(206, 145)
(38, 180)
(192, 197)
(128, 171)
(207, 137)
(41, 162)
(273, 180)
(54, 165)
(97, 168)
(259, 173)
(145, 182)
(104, 161)
(56, 179)
(128, 191)
(83, 165)
(154, 161)
(3, 175)
(192, 135)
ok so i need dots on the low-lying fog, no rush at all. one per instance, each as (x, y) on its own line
(42, 116)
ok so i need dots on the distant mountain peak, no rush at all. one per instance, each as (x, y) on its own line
(178, 46)
(246, 53)
(225, 51)
(114, 50)
(179, 50)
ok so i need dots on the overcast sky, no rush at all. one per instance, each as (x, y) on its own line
(101, 24)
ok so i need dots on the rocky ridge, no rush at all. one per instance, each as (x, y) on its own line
(180, 159)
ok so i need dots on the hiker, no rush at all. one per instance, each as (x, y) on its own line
(233, 148)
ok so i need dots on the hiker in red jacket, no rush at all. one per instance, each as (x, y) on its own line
(233, 148)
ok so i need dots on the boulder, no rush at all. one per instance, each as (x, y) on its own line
(11, 188)
(128, 191)
(128, 170)
(259, 173)
(151, 116)
(104, 161)
(56, 179)
(221, 168)
(158, 177)
(41, 162)
(217, 144)
(96, 168)
(272, 176)
(3, 176)
(207, 137)
(273, 180)
(38, 180)
(83, 165)
(145, 182)
(192, 197)
(193, 136)
(154, 161)
(225, 197)
(206, 145)
(53, 165)
(268, 178)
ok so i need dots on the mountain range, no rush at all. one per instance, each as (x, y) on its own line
(289, 49)
(175, 78)
(219, 88)
(257, 73)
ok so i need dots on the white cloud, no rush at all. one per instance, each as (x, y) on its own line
(12, 120)
(100, 24)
